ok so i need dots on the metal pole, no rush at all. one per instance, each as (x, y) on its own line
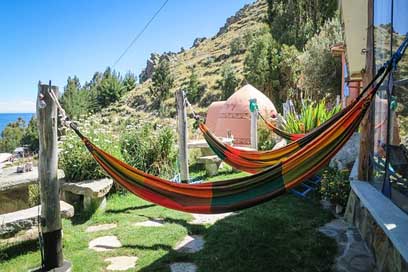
(183, 136)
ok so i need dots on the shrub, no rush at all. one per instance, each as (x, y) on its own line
(11, 135)
(30, 136)
(335, 186)
(236, 46)
(150, 150)
(311, 116)
(266, 140)
(228, 82)
(77, 163)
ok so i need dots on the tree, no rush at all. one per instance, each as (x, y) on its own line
(321, 71)
(30, 136)
(228, 82)
(294, 22)
(272, 68)
(11, 136)
(110, 89)
(193, 87)
(162, 82)
(236, 46)
(129, 82)
(76, 100)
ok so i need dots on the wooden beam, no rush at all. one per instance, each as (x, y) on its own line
(182, 135)
(47, 174)
(365, 166)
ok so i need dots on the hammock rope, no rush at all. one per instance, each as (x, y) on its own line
(238, 193)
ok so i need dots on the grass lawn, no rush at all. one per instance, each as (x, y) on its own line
(279, 235)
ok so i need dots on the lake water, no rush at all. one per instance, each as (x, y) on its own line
(6, 118)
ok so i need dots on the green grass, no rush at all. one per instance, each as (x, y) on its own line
(279, 235)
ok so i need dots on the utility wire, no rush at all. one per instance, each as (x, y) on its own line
(140, 33)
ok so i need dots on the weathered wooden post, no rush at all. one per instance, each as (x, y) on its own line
(254, 123)
(183, 136)
(47, 174)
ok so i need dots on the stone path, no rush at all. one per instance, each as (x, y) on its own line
(150, 223)
(183, 267)
(354, 255)
(121, 263)
(105, 243)
(190, 244)
(100, 227)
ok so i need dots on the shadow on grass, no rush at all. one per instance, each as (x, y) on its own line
(8, 252)
(280, 235)
(192, 229)
(129, 209)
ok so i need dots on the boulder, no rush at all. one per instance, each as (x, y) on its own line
(347, 154)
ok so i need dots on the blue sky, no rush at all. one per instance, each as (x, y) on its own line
(53, 39)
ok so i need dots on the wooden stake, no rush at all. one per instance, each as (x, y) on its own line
(183, 136)
(47, 174)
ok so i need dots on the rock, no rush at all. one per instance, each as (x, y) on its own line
(347, 154)
(190, 244)
(121, 263)
(198, 41)
(100, 227)
(93, 192)
(105, 243)
(183, 267)
(280, 144)
(353, 254)
(233, 19)
(14, 222)
(209, 218)
(150, 223)
(91, 188)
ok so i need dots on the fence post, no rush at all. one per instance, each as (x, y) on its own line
(47, 174)
(182, 135)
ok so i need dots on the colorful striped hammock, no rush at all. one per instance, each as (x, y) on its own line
(256, 161)
(240, 193)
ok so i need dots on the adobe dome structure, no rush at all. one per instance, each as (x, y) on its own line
(233, 115)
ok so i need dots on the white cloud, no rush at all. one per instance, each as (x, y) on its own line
(22, 106)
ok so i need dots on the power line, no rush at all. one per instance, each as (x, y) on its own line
(140, 33)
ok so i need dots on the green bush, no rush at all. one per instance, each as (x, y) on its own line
(311, 116)
(150, 150)
(77, 163)
(335, 186)
(266, 140)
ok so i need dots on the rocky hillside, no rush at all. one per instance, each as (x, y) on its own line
(206, 57)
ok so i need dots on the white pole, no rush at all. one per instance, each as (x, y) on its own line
(254, 123)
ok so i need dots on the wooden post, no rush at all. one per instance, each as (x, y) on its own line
(47, 174)
(254, 123)
(183, 136)
(367, 125)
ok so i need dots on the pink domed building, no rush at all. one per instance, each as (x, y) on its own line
(234, 116)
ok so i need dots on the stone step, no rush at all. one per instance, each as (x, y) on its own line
(11, 223)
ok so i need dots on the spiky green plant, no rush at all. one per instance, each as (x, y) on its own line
(311, 116)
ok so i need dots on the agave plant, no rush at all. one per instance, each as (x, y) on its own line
(312, 114)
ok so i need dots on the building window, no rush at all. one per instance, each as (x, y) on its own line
(390, 28)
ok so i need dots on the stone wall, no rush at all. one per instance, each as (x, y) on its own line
(14, 200)
(387, 257)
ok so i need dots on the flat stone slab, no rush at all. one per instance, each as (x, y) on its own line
(121, 263)
(10, 179)
(209, 218)
(209, 159)
(353, 254)
(190, 244)
(24, 219)
(105, 243)
(100, 227)
(183, 267)
(150, 223)
(90, 188)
